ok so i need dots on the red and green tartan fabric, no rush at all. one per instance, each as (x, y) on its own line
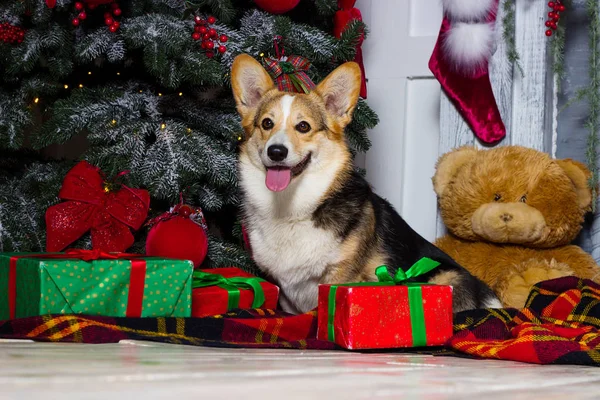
(290, 73)
(560, 325)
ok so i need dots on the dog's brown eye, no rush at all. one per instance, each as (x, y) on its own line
(267, 124)
(303, 127)
(497, 197)
(523, 199)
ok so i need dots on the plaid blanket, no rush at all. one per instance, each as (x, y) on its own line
(559, 325)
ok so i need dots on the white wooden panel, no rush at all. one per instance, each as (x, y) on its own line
(530, 90)
(384, 162)
(421, 140)
(425, 17)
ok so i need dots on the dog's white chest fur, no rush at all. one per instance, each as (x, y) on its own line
(296, 254)
(285, 242)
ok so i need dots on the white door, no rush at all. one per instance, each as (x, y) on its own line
(406, 96)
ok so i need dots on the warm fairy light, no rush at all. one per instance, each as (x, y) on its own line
(189, 130)
(141, 91)
(181, 93)
(163, 126)
(80, 85)
(160, 94)
(114, 122)
(239, 138)
(36, 100)
(66, 86)
(89, 72)
(262, 54)
(118, 73)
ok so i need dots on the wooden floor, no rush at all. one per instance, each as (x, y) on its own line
(140, 370)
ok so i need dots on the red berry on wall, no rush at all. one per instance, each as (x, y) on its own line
(114, 6)
(198, 28)
(82, 15)
(75, 22)
(549, 32)
(212, 32)
(107, 15)
(117, 24)
(79, 6)
(548, 23)
(211, 20)
(196, 36)
(210, 45)
(198, 20)
(113, 28)
(561, 8)
(117, 12)
(553, 25)
(551, 4)
(205, 36)
(210, 54)
(551, 15)
(223, 38)
(109, 21)
(222, 49)
(203, 30)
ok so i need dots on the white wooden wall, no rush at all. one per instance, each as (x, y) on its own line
(418, 123)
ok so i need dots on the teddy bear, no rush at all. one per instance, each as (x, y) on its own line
(511, 213)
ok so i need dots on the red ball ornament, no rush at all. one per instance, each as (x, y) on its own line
(277, 6)
(75, 22)
(211, 20)
(82, 15)
(223, 38)
(222, 49)
(79, 6)
(108, 21)
(185, 210)
(117, 12)
(196, 36)
(549, 32)
(179, 238)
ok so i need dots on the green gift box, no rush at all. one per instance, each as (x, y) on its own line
(93, 283)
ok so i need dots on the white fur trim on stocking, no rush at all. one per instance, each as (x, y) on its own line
(468, 10)
(468, 47)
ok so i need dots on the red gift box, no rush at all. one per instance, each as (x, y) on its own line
(215, 295)
(385, 315)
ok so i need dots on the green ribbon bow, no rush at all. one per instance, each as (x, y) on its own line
(232, 285)
(415, 296)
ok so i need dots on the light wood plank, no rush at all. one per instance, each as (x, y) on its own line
(531, 115)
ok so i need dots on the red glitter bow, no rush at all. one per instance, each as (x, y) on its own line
(91, 205)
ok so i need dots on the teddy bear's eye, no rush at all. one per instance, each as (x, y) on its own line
(523, 199)
(497, 197)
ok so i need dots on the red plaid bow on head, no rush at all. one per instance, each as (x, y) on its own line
(290, 73)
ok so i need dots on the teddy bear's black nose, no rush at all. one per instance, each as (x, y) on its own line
(506, 217)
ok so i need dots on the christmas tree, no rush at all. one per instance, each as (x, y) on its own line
(142, 86)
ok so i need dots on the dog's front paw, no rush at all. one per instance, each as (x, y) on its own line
(514, 289)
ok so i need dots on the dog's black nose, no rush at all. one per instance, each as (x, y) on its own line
(277, 152)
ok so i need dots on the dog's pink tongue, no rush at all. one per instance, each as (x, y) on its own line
(278, 178)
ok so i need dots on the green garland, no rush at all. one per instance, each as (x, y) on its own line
(593, 96)
(508, 33)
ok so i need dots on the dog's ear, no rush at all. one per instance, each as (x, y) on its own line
(448, 165)
(339, 90)
(579, 175)
(249, 82)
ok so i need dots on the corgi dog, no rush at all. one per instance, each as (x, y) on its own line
(310, 218)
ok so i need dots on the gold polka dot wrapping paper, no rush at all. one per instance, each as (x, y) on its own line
(107, 287)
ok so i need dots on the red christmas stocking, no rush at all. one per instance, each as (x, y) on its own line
(460, 63)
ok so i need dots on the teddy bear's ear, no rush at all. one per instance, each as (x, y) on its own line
(448, 166)
(579, 175)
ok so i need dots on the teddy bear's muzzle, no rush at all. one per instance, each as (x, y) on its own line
(516, 223)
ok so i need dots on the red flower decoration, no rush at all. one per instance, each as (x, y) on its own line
(91, 206)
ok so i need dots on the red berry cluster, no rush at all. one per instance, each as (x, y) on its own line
(11, 34)
(554, 16)
(211, 40)
(109, 17)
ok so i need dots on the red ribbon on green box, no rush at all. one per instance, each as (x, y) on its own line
(136, 280)
(415, 296)
(232, 285)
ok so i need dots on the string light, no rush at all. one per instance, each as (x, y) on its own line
(262, 54)
(141, 91)
(89, 72)
(36, 100)
(239, 138)
(118, 73)
(80, 85)
(181, 93)
(163, 126)
(189, 130)
(114, 122)
(66, 86)
(160, 94)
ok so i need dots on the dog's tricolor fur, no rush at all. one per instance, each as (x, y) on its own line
(310, 218)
